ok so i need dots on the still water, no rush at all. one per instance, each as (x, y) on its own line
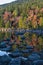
(4, 34)
(28, 38)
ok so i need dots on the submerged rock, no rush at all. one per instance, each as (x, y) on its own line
(38, 62)
(3, 44)
(25, 51)
(29, 47)
(34, 57)
(4, 58)
(8, 49)
(15, 54)
(15, 61)
(24, 61)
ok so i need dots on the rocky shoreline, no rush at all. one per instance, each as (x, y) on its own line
(20, 56)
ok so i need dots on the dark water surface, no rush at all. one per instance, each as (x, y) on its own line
(23, 54)
(31, 37)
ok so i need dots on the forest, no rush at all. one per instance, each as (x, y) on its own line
(26, 14)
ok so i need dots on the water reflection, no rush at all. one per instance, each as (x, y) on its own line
(32, 39)
(4, 35)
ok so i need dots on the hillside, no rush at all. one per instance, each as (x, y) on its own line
(22, 14)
